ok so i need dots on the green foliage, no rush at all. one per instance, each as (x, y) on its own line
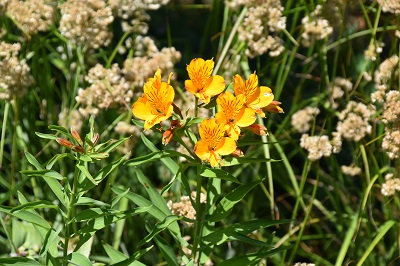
(127, 197)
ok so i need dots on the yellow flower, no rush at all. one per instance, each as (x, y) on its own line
(256, 97)
(155, 105)
(213, 142)
(274, 107)
(233, 113)
(201, 83)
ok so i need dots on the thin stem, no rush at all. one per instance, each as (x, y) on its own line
(3, 131)
(199, 223)
(314, 192)
(70, 212)
(229, 41)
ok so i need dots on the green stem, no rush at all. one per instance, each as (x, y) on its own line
(269, 170)
(314, 192)
(199, 222)
(229, 41)
(3, 131)
(70, 212)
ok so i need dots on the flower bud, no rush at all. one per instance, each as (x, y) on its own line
(76, 136)
(237, 153)
(65, 143)
(274, 107)
(258, 129)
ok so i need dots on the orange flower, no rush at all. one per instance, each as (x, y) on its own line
(213, 142)
(155, 105)
(256, 97)
(233, 113)
(201, 83)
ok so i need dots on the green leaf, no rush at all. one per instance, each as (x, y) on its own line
(90, 201)
(26, 216)
(237, 231)
(166, 250)
(57, 189)
(178, 175)
(78, 259)
(134, 257)
(155, 156)
(169, 163)
(112, 146)
(139, 123)
(383, 229)
(103, 173)
(18, 262)
(42, 173)
(46, 136)
(50, 242)
(252, 258)
(59, 129)
(57, 157)
(230, 161)
(154, 195)
(85, 172)
(40, 204)
(217, 173)
(193, 120)
(159, 228)
(225, 206)
(153, 211)
(113, 254)
(32, 160)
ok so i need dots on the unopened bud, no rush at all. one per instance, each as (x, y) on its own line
(78, 149)
(274, 107)
(258, 129)
(237, 153)
(65, 143)
(76, 136)
(167, 136)
(95, 139)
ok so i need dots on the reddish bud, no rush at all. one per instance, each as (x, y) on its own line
(237, 153)
(167, 136)
(76, 136)
(274, 107)
(258, 129)
(95, 139)
(78, 149)
(65, 143)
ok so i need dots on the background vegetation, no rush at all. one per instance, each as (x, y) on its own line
(330, 199)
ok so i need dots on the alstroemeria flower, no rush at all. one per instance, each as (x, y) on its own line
(213, 142)
(233, 113)
(155, 105)
(201, 83)
(256, 97)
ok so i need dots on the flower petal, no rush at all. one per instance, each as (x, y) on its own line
(226, 146)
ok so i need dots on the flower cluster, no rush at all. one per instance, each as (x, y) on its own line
(337, 89)
(315, 27)
(235, 110)
(184, 207)
(354, 121)
(14, 73)
(133, 13)
(262, 22)
(320, 146)
(392, 6)
(86, 23)
(301, 120)
(389, 101)
(30, 16)
(390, 186)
